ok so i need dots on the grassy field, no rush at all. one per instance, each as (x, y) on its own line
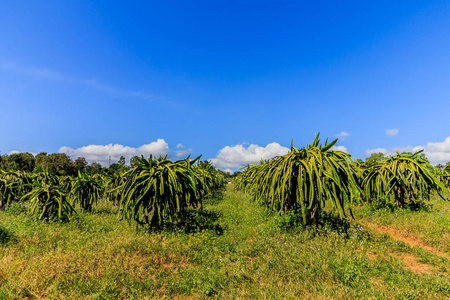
(240, 253)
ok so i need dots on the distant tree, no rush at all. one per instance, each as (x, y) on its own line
(42, 161)
(3, 161)
(122, 161)
(236, 173)
(225, 174)
(81, 163)
(23, 161)
(439, 167)
(61, 164)
(95, 166)
(113, 168)
(134, 161)
(374, 157)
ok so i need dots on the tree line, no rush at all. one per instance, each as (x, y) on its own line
(62, 164)
(58, 163)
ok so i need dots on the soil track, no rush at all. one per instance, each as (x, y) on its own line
(410, 240)
(411, 263)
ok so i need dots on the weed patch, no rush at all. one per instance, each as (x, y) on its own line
(6, 236)
(232, 249)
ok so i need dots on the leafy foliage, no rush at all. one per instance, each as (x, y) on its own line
(23, 161)
(13, 185)
(405, 177)
(6, 236)
(304, 180)
(6, 192)
(444, 175)
(112, 191)
(50, 200)
(158, 191)
(86, 190)
(209, 180)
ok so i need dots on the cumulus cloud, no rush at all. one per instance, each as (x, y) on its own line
(376, 150)
(17, 151)
(437, 153)
(101, 153)
(392, 132)
(238, 156)
(228, 170)
(180, 153)
(342, 135)
(339, 148)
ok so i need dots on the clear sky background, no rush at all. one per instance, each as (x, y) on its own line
(231, 80)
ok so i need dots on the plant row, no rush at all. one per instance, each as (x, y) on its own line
(154, 192)
(313, 181)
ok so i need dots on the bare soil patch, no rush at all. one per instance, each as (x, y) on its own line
(408, 239)
(410, 262)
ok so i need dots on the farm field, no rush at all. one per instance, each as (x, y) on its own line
(224, 150)
(241, 252)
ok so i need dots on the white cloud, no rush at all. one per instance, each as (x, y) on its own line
(17, 151)
(238, 156)
(342, 135)
(228, 170)
(392, 132)
(339, 148)
(437, 153)
(439, 147)
(101, 153)
(180, 153)
(377, 150)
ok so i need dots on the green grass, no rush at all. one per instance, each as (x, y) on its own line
(431, 223)
(242, 253)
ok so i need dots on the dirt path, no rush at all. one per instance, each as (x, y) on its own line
(410, 240)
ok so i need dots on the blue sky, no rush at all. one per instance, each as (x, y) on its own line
(224, 79)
